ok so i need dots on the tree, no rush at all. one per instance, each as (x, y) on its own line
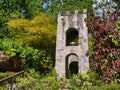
(11, 9)
(8, 10)
(39, 32)
(101, 7)
(105, 58)
(16, 56)
(54, 6)
(118, 4)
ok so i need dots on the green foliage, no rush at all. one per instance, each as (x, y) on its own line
(118, 5)
(54, 6)
(118, 26)
(74, 42)
(95, 79)
(115, 41)
(6, 74)
(105, 87)
(31, 58)
(31, 8)
(8, 9)
(90, 44)
(1, 75)
(91, 81)
(33, 73)
(7, 46)
(12, 9)
(3, 88)
(12, 48)
(48, 82)
(29, 81)
(40, 32)
(102, 7)
(79, 81)
(25, 83)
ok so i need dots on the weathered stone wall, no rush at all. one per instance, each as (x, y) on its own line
(71, 20)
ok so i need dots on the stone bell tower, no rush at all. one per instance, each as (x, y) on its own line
(72, 44)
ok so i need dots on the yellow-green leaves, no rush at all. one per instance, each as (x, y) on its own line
(118, 25)
(38, 32)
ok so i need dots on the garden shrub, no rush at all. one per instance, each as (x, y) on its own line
(105, 87)
(6, 74)
(3, 88)
(95, 78)
(48, 82)
(34, 74)
(1, 75)
(105, 58)
(31, 58)
(79, 81)
(27, 82)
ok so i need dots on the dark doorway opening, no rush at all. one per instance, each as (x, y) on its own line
(71, 65)
(73, 68)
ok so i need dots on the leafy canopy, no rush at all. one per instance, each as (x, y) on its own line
(38, 32)
(54, 6)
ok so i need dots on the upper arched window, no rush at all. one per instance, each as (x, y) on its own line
(72, 37)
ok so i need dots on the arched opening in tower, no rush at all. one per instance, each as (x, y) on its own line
(72, 37)
(71, 65)
(73, 68)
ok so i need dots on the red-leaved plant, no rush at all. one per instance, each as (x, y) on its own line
(105, 58)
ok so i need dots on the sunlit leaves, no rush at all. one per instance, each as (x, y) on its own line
(30, 57)
(38, 32)
(11, 9)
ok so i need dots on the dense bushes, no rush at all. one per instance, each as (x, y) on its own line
(26, 83)
(48, 83)
(33, 80)
(105, 58)
(6, 74)
(90, 81)
(31, 58)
